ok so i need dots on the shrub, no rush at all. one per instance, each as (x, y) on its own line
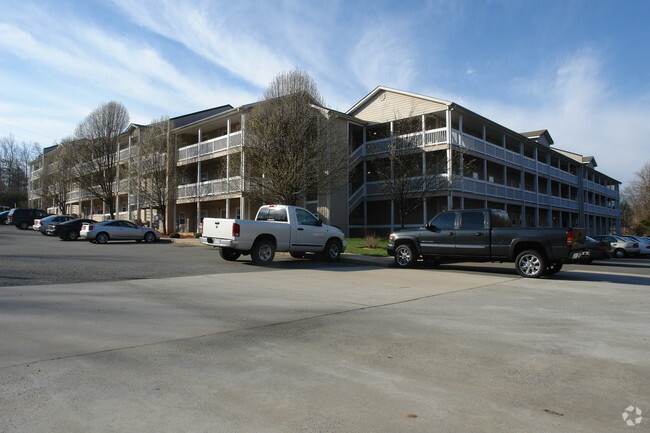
(198, 235)
(174, 236)
(372, 240)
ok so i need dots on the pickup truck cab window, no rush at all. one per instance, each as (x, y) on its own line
(472, 220)
(272, 214)
(306, 218)
(444, 221)
(500, 218)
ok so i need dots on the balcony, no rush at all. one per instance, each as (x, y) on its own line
(209, 147)
(419, 139)
(210, 188)
(37, 173)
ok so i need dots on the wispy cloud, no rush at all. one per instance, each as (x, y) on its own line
(69, 52)
(218, 34)
(382, 57)
(581, 112)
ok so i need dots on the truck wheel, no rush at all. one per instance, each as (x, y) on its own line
(554, 268)
(405, 257)
(530, 264)
(263, 251)
(229, 254)
(332, 251)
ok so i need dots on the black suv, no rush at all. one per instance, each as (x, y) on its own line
(23, 218)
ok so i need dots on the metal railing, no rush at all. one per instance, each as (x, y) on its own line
(211, 146)
(209, 188)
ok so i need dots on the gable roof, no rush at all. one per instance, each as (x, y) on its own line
(536, 135)
(186, 119)
(380, 89)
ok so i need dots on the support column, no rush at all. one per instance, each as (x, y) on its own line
(198, 186)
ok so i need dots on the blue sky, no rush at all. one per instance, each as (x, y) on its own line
(580, 69)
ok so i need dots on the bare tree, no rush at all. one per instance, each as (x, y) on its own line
(97, 147)
(153, 177)
(408, 172)
(58, 175)
(637, 198)
(291, 146)
(14, 160)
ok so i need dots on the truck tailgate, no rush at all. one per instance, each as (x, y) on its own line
(218, 227)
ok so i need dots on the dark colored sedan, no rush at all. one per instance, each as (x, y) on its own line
(69, 230)
(42, 224)
(598, 250)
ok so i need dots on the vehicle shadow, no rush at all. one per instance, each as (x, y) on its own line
(576, 275)
(289, 263)
(617, 264)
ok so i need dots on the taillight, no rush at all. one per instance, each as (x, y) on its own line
(569, 237)
(635, 245)
(89, 227)
(235, 230)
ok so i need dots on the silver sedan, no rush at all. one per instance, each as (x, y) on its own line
(117, 230)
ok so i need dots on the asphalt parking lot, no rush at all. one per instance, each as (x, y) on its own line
(306, 346)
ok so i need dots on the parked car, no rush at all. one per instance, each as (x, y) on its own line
(487, 235)
(117, 230)
(282, 228)
(54, 219)
(42, 224)
(644, 244)
(598, 250)
(621, 247)
(3, 217)
(23, 218)
(68, 230)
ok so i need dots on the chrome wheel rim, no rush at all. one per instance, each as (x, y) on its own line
(530, 264)
(265, 252)
(403, 256)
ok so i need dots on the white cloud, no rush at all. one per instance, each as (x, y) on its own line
(215, 33)
(582, 113)
(382, 57)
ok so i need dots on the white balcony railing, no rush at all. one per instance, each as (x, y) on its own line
(209, 188)
(419, 139)
(211, 146)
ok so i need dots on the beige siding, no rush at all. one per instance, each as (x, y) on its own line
(334, 206)
(386, 106)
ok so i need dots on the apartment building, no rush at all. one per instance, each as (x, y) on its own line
(523, 173)
(538, 184)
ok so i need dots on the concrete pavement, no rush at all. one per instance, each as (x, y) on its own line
(355, 349)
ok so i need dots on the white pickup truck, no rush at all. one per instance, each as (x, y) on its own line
(276, 228)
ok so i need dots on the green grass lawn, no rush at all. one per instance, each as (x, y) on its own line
(359, 246)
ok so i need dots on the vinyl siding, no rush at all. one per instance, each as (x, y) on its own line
(387, 106)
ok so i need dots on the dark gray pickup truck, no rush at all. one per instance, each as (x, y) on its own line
(487, 236)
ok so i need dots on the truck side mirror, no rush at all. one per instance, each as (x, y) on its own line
(319, 222)
(431, 227)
